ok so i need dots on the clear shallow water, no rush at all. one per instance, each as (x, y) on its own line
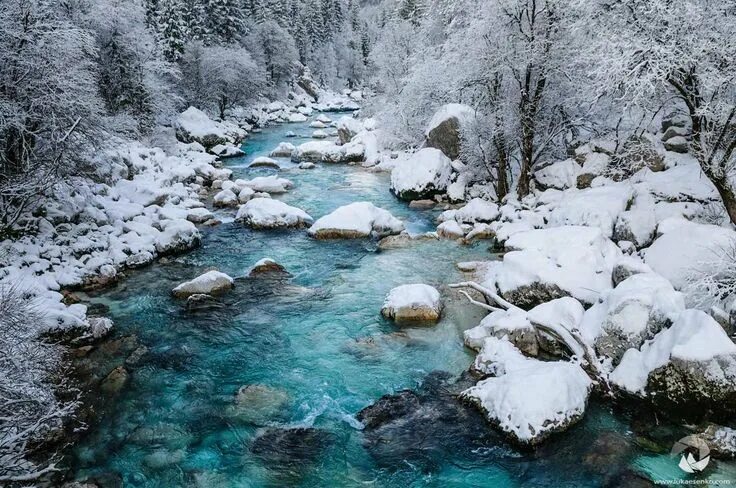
(319, 341)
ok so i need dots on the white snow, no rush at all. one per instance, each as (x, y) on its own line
(458, 111)
(594, 207)
(209, 282)
(267, 184)
(283, 150)
(317, 151)
(297, 117)
(359, 219)
(559, 175)
(264, 161)
(266, 213)
(694, 336)
(685, 247)
(528, 399)
(477, 210)
(426, 170)
(412, 302)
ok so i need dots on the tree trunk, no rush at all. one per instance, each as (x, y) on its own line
(502, 171)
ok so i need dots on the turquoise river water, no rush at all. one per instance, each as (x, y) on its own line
(319, 341)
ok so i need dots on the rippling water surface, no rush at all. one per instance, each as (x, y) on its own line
(317, 344)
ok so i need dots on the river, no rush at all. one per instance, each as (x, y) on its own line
(318, 345)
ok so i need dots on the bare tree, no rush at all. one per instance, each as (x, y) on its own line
(29, 409)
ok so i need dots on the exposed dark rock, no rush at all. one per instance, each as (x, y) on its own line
(115, 380)
(291, 449)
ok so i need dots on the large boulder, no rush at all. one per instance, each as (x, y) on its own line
(177, 236)
(687, 369)
(685, 248)
(210, 283)
(318, 151)
(266, 213)
(283, 150)
(444, 131)
(193, 125)
(544, 264)
(594, 207)
(560, 175)
(426, 173)
(347, 128)
(633, 312)
(267, 184)
(359, 219)
(526, 398)
(412, 303)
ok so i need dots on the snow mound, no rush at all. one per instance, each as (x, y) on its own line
(411, 303)
(193, 125)
(359, 219)
(458, 111)
(477, 210)
(265, 162)
(268, 184)
(210, 283)
(687, 248)
(266, 213)
(426, 173)
(560, 175)
(528, 399)
(695, 338)
(592, 207)
(318, 151)
(283, 150)
(551, 263)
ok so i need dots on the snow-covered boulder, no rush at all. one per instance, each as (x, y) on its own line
(317, 151)
(560, 175)
(283, 150)
(685, 248)
(177, 236)
(677, 144)
(444, 131)
(425, 174)
(450, 229)
(319, 134)
(193, 125)
(526, 398)
(594, 207)
(543, 264)
(226, 151)
(637, 225)
(246, 194)
(477, 210)
(594, 164)
(268, 184)
(630, 314)
(347, 128)
(210, 283)
(317, 125)
(296, 118)
(266, 213)
(690, 366)
(199, 215)
(324, 119)
(307, 165)
(359, 219)
(264, 162)
(225, 198)
(412, 303)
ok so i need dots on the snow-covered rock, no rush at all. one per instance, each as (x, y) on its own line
(412, 303)
(359, 219)
(630, 314)
(268, 184)
(246, 194)
(526, 398)
(317, 125)
(225, 198)
(690, 365)
(317, 151)
(226, 151)
(560, 175)
(266, 213)
(444, 129)
(685, 248)
(193, 125)
(296, 118)
(177, 236)
(477, 210)
(211, 282)
(543, 264)
(319, 134)
(450, 229)
(426, 173)
(264, 162)
(594, 207)
(307, 165)
(283, 150)
(347, 128)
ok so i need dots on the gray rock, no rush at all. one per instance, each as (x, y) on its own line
(677, 144)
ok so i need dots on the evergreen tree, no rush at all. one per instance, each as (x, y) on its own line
(172, 29)
(226, 20)
(411, 10)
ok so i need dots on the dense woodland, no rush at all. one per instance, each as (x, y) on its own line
(543, 76)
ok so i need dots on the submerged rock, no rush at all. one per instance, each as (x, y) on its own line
(266, 265)
(291, 448)
(258, 404)
(424, 427)
(115, 380)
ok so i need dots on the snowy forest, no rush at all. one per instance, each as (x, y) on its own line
(350, 242)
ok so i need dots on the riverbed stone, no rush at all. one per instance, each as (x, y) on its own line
(115, 380)
(295, 447)
(258, 404)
